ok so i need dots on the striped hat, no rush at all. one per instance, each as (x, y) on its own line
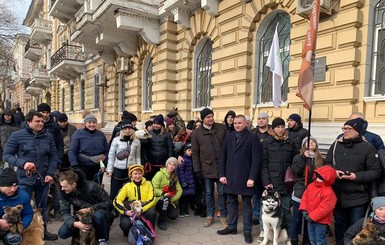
(135, 167)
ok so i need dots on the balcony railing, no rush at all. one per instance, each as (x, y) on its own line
(28, 45)
(42, 23)
(67, 52)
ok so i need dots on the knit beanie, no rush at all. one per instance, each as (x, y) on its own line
(295, 117)
(378, 202)
(8, 112)
(90, 117)
(312, 138)
(171, 159)
(263, 115)
(126, 124)
(159, 119)
(134, 167)
(8, 177)
(148, 123)
(43, 107)
(169, 121)
(277, 122)
(190, 124)
(62, 117)
(205, 112)
(187, 146)
(357, 124)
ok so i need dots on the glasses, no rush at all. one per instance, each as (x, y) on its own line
(344, 129)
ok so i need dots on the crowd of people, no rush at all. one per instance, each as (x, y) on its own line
(171, 167)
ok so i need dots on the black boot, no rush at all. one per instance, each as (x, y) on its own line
(162, 224)
(204, 211)
(48, 236)
(198, 210)
(294, 242)
(56, 214)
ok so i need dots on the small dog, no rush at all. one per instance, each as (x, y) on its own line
(369, 235)
(136, 206)
(34, 234)
(13, 216)
(274, 227)
(85, 237)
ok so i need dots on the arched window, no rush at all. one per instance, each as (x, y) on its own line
(377, 75)
(263, 88)
(203, 63)
(147, 84)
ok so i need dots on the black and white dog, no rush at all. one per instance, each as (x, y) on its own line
(274, 226)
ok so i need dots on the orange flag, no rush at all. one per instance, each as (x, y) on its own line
(306, 75)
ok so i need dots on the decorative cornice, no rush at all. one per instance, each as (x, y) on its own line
(211, 6)
(182, 16)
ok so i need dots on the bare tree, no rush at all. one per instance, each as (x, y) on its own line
(8, 21)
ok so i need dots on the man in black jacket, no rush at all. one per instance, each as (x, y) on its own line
(76, 191)
(296, 131)
(357, 165)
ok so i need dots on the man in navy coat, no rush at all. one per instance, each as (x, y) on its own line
(239, 167)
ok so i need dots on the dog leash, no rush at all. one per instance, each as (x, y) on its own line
(29, 175)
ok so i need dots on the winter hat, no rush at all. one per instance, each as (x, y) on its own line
(230, 113)
(205, 112)
(43, 107)
(171, 159)
(378, 202)
(134, 167)
(190, 124)
(62, 117)
(8, 112)
(169, 121)
(312, 138)
(148, 123)
(187, 146)
(90, 117)
(357, 124)
(277, 122)
(8, 177)
(55, 114)
(295, 117)
(129, 116)
(159, 119)
(126, 124)
(263, 115)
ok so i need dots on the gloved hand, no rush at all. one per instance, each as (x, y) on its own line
(305, 214)
(309, 219)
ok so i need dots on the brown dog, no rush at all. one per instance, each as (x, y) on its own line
(34, 234)
(369, 235)
(13, 216)
(85, 237)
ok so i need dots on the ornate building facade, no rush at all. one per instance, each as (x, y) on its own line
(148, 56)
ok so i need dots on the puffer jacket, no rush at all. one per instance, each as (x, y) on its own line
(206, 148)
(132, 192)
(186, 176)
(277, 157)
(162, 179)
(159, 147)
(54, 128)
(20, 197)
(118, 145)
(87, 194)
(296, 135)
(90, 143)
(359, 157)
(25, 146)
(319, 199)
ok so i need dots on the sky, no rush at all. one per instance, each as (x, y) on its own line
(20, 8)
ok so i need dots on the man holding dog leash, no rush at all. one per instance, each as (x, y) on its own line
(32, 150)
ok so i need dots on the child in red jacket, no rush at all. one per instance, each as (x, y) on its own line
(318, 203)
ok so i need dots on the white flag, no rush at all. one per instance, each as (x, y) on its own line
(275, 63)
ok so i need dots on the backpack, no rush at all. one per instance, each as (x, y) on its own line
(141, 232)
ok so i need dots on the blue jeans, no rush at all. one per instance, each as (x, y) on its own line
(210, 201)
(344, 218)
(286, 204)
(246, 212)
(100, 222)
(257, 206)
(41, 190)
(317, 233)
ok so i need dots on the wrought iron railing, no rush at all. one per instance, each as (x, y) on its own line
(67, 52)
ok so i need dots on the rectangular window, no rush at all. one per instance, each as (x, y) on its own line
(82, 94)
(71, 97)
(63, 99)
(122, 91)
(97, 78)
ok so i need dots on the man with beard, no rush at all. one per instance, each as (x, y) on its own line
(296, 131)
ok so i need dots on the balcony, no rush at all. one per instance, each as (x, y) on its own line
(32, 51)
(67, 62)
(31, 89)
(40, 77)
(41, 31)
(64, 10)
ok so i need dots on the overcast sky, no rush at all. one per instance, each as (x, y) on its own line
(21, 8)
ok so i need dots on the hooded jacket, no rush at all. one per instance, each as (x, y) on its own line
(319, 199)
(229, 128)
(6, 129)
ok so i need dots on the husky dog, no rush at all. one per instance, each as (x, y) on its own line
(273, 220)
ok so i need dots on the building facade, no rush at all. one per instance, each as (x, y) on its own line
(148, 56)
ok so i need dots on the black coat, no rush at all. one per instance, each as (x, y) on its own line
(240, 162)
(159, 147)
(277, 157)
(88, 194)
(357, 227)
(359, 157)
(296, 135)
